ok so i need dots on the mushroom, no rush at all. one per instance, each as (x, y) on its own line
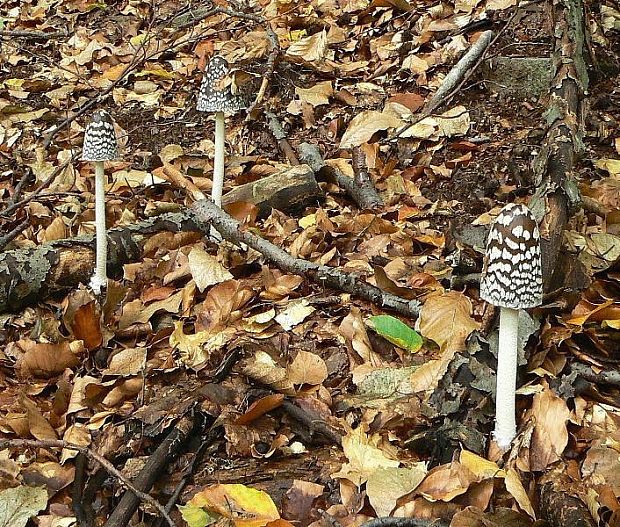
(100, 145)
(511, 279)
(215, 96)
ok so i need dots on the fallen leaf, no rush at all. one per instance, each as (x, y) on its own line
(206, 270)
(19, 504)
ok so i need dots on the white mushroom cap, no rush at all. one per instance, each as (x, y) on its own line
(512, 273)
(100, 138)
(213, 96)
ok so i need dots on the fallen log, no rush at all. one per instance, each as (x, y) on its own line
(31, 274)
(557, 195)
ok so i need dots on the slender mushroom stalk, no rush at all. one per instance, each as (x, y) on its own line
(512, 280)
(215, 96)
(100, 145)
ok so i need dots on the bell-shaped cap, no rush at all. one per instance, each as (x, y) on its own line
(512, 273)
(100, 138)
(215, 94)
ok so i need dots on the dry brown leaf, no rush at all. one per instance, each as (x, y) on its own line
(445, 482)
(206, 269)
(364, 457)
(354, 330)
(307, 368)
(309, 49)
(46, 359)
(550, 436)
(386, 485)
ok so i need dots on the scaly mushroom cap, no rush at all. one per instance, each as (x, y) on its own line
(214, 95)
(512, 273)
(100, 139)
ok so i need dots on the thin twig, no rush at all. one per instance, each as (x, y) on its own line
(96, 458)
(454, 80)
(32, 35)
(278, 132)
(38, 191)
(10, 236)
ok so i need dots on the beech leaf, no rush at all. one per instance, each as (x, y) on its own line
(396, 332)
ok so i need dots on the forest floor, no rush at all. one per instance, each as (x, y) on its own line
(247, 375)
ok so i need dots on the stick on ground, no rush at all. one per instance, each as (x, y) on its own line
(209, 214)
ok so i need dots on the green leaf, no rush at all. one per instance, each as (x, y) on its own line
(196, 516)
(396, 332)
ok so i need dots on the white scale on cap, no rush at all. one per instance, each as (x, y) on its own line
(212, 96)
(100, 139)
(512, 273)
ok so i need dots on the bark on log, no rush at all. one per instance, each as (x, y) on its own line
(560, 509)
(29, 275)
(557, 194)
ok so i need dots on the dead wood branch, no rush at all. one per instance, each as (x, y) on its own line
(95, 458)
(404, 522)
(278, 132)
(556, 191)
(32, 35)
(365, 197)
(28, 275)
(209, 214)
(14, 233)
(560, 509)
(167, 451)
(48, 181)
(609, 377)
(455, 78)
(289, 190)
(315, 424)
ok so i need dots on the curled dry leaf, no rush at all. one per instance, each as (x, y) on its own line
(364, 457)
(263, 369)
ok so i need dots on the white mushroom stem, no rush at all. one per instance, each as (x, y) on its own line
(505, 423)
(100, 279)
(218, 161)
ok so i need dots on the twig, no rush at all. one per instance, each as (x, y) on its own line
(175, 176)
(213, 435)
(363, 198)
(610, 377)
(168, 449)
(95, 457)
(19, 187)
(455, 78)
(278, 132)
(315, 424)
(133, 64)
(404, 522)
(207, 213)
(10, 236)
(38, 191)
(32, 35)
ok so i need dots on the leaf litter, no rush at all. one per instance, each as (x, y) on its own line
(409, 403)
